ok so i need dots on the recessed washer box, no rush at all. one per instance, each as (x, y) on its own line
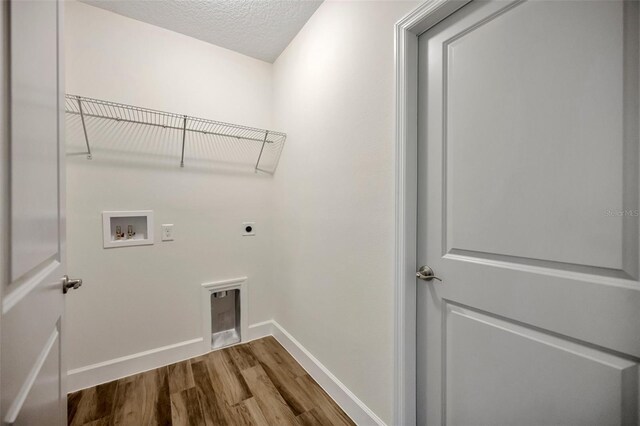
(127, 228)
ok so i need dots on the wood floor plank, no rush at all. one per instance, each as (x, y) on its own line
(185, 408)
(104, 421)
(323, 401)
(275, 410)
(162, 399)
(314, 417)
(74, 402)
(282, 373)
(258, 383)
(180, 376)
(104, 397)
(252, 413)
(127, 404)
(269, 349)
(91, 404)
(289, 389)
(242, 356)
(226, 377)
(213, 408)
(273, 346)
(143, 399)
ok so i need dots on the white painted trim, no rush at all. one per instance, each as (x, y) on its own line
(117, 368)
(407, 31)
(260, 329)
(347, 400)
(239, 283)
(21, 397)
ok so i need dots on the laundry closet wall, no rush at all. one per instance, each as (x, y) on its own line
(147, 298)
(334, 197)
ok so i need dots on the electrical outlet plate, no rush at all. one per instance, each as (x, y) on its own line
(167, 232)
(248, 229)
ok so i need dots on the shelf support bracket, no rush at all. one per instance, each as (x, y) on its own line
(184, 136)
(84, 128)
(264, 142)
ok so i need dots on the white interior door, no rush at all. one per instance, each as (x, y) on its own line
(32, 369)
(528, 212)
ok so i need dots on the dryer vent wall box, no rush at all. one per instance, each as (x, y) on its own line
(225, 318)
(127, 228)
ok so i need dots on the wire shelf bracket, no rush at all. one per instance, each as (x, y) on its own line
(84, 128)
(184, 138)
(89, 108)
(266, 135)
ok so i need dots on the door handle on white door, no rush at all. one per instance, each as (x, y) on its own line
(426, 273)
(70, 283)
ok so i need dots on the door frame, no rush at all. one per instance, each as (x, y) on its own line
(4, 147)
(407, 30)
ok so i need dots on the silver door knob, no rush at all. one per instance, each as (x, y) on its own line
(70, 283)
(426, 273)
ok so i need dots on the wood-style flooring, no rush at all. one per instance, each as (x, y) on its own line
(256, 383)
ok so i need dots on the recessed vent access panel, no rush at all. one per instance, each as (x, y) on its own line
(225, 318)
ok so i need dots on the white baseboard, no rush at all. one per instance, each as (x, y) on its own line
(356, 409)
(95, 374)
(113, 369)
(261, 329)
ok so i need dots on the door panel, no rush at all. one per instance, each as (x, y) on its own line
(528, 211)
(32, 363)
(543, 379)
(34, 149)
(551, 195)
(43, 403)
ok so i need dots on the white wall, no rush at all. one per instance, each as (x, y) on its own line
(334, 96)
(322, 265)
(141, 298)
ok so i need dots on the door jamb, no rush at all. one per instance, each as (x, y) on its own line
(407, 30)
(4, 150)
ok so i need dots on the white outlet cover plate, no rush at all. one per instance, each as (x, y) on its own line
(167, 232)
(244, 229)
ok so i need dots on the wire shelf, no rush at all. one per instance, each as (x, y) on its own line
(267, 144)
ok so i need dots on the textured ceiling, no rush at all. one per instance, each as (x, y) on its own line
(258, 28)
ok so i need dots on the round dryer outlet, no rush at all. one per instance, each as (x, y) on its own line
(248, 229)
